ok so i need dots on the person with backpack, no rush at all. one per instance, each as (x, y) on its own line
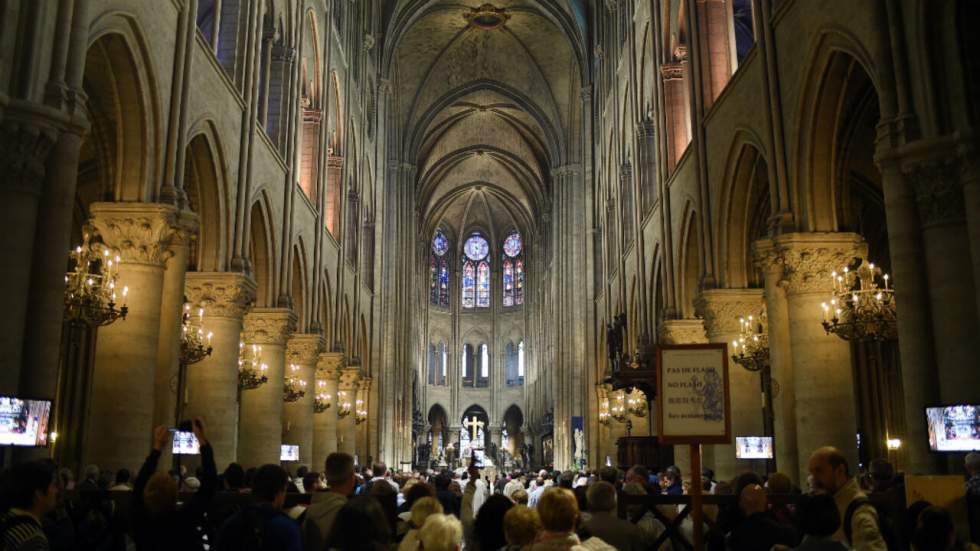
(30, 491)
(262, 526)
(861, 524)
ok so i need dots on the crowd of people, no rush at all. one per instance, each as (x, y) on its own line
(346, 508)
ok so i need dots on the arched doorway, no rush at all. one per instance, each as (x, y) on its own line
(438, 436)
(474, 439)
(512, 438)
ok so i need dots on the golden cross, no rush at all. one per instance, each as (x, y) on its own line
(474, 424)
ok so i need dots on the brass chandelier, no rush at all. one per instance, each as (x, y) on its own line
(294, 387)
(321, 402)
(751, 349)
(360, 414)
(862, 306)
(91, 286)
(343, 405)
(194, 344)
(251, 370)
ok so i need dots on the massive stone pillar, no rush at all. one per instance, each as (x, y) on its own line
(716, 39)
(822, 376)
(212, 384)
(24, 148)
(677, 109)
(260, 422)
(952, 287)
(347, 392)
(121, 415)
(683, 331)
(325, 423)
(303, 351)
(721, 310)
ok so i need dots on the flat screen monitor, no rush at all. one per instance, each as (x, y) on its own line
(24, 422)
(185, 443)
(954, 428)
(753, 447)
(289, 453)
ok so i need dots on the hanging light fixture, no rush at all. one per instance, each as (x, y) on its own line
(91, 286)
(604, 417)
(360, 413)
(251, 370)
(294, 387)
(343, 405)
(862, 307)
(618, 409)
(751, 349)
(636, 403)
(195, 345)
(321, 402)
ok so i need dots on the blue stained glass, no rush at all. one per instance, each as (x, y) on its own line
(483, 286)
(476, 247)
(469, 285)
(444, 283)
(439, 243)
(508, 283)
(513, 245)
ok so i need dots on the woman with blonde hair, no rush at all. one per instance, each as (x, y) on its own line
(441, 533)
(559, 514)
(422, 509)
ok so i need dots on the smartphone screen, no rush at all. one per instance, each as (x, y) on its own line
(185, 443)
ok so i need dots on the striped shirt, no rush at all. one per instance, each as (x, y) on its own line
(20, 531)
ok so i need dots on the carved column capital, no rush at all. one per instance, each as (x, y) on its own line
(804, 261)
(141, 233)
(938, 190)
(683, 331)
(269, 326)
(24, 149)
(329, 365)
(349, 377)
(222, 294)
(304, 348)
(673, 71)
(364, 384)
(722, 308)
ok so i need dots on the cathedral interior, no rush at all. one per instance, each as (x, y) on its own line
(419, 231)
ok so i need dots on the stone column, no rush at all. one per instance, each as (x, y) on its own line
(24, 148)
(677, 110)
(303, 351)
(721, 310)
(171, 312)
(952, 287)
(970, 178)
(822, 374)
(361, 442)
(121, 415)
(718, 58)
(684, 331)
(347, 391)
(325, 424)
(212, 384)
(260, 423)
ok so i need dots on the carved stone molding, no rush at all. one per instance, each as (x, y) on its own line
(805, 261)
(141, 233)
(721, 309)
(625, 171)
(673, 71)
(24, 149)
(683, 331)
(349, 377)
(364, 385)
(269, 326)
(222, 294)
(304, 348)
(646, 130)
(188, 225)
(329, 365)
(938, 191)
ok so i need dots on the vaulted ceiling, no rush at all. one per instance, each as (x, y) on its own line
(486, 100)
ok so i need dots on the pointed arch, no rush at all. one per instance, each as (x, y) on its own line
(262, 251)
(746, 206)
(204, 184)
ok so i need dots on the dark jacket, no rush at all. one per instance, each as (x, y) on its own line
(761, 531)
(450, 502)
(180, 529)
(259, 527)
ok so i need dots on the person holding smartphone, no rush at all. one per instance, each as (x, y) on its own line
(159, 524)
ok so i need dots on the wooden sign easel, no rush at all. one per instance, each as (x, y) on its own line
(720, 432)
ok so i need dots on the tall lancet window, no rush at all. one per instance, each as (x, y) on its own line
(520, 361)
(513, 270)
(476, 272)
(483, 378)
(466, 364)
(439, 270)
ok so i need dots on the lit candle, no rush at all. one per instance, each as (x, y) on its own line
(126, 292)
(886, 281)
(210, 334)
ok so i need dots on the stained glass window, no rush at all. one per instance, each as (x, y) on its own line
(513, 270)
(483, 285)
(440, 244)
(439, 270)
(469, 285)
(520, 359)
(476, 247)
